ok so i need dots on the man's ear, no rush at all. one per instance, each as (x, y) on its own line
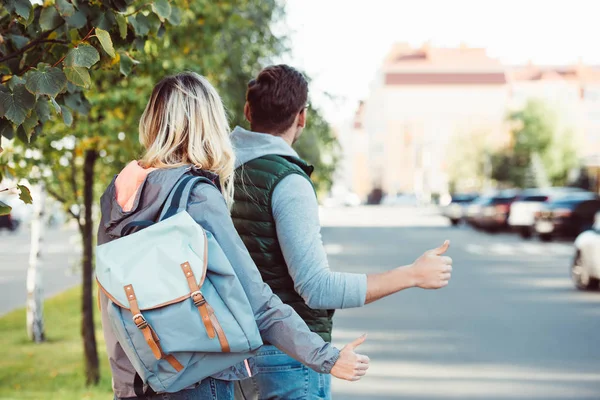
(247, 113)
(302, 118)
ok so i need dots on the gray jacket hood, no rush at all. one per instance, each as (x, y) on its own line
(147, 205)
(250, 145)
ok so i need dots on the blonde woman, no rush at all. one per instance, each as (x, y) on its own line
(184, 131)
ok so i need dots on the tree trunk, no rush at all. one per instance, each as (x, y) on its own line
(35, 295)
(92, 370)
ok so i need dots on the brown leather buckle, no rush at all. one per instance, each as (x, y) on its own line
(197, 298)
(140, 321)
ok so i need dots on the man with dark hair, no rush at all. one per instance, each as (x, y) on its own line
(276, 214)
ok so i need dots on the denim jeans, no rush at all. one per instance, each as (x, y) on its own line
(208, 389)
(281, 377)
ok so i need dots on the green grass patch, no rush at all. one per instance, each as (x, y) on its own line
(54, 369)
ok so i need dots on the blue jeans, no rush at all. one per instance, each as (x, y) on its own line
(281, 377)
(208, 389)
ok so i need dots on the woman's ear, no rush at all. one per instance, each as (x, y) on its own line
(247, 113)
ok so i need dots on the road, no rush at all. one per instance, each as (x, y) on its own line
(509, 325)
(59, 264)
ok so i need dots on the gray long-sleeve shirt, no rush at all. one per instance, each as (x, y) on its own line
(277, 322)
(296, 213)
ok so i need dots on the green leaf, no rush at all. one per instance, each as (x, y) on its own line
(77, 102)
(14, 81)
(140, 24)
(22, 8)
(42, 109)
(122, 22)
(45, 80)
(25, 194)
(126, 64)
(83, 55)
(5, 209)
(30, 122)
(49, 18)
(67, 116)
(79, 76)
(162, 8)
(106, 42)
(65, 8)
(154, 23)
(120, 5)
(106, 20)
(19, 41)
(175, 17)
(77, 21)
(7, 129)
(16, 105)
(56, 106)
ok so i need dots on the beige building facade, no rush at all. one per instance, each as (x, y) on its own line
(421, 100)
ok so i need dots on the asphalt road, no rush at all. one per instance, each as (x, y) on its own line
(509, 326)
(59, 264)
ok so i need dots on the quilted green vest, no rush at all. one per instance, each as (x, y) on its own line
(253, 219)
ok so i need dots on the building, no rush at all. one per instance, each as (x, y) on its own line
(422, 99)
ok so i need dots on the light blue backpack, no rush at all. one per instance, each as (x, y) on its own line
(176, 306)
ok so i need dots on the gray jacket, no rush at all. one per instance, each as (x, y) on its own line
(296, 213)
(277, 322)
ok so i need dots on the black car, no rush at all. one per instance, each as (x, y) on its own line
(8, 222)
(491, 212)
(567, 216)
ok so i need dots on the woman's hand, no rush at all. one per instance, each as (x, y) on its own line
(351, 366)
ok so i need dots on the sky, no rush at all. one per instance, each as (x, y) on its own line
(340, 44)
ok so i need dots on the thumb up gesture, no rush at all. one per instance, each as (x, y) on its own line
(351, 366)
(433, 270)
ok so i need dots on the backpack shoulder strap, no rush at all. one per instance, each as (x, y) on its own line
(179, 197)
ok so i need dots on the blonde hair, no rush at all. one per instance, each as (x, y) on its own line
(185, 123)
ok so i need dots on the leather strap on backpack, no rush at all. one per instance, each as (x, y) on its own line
(198, 299)
(149, 334)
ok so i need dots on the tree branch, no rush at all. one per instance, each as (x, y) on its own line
(64, 201)
(31, 44)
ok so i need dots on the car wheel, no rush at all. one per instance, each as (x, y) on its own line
(454, 222)
(581, 277)
(525, 233)
(545, 237)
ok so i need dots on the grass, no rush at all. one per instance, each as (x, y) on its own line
(54, 369)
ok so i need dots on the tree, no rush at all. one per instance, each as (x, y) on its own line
(222, 40)
(319, 147)
(47, 52)
(540, 148)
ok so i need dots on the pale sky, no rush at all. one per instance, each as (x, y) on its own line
(340, 44)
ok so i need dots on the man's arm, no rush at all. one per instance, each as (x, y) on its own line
(296, 213)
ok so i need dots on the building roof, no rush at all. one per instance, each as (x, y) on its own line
(578, 73)
(428, 65)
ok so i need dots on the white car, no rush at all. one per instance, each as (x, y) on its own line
(585, 270)
(522, 211)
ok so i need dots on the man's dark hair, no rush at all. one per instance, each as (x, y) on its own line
(275, 97)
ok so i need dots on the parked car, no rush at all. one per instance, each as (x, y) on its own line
(585, 271)
(457, 209)
(475, 208)
(9, 222)
(491, 212)
(530, 201)
(567, 216)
